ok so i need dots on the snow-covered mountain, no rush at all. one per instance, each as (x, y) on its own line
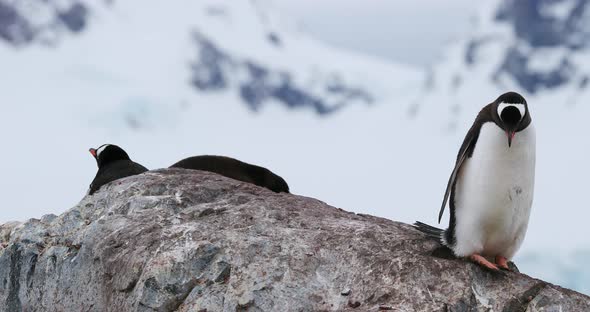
(548, 48)
(166, 81)
(23, 23)
(539, 47)
(243, 47)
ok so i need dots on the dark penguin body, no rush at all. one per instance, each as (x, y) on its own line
(490, 190)
(113, 164)
(235, 169)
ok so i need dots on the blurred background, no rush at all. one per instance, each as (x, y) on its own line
(361, 104)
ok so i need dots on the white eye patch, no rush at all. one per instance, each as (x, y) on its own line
(519, 106)
(101, 149)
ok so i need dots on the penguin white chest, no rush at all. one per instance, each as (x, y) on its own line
(494, 193)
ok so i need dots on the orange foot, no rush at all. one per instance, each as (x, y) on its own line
(502, 262)
(483, 262)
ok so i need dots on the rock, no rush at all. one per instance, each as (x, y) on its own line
(185, 240)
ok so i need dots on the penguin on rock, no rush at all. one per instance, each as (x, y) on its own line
(113, 164)
(237, 170)
(490, 190)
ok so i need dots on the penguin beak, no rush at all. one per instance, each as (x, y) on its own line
(510, 135)
(92, 152)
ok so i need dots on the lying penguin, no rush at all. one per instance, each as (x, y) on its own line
(235, 169)
(113, 164)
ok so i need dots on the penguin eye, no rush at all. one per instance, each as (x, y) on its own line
(511, 113)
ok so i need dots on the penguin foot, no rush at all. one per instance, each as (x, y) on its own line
(483, 262)
(502, 263)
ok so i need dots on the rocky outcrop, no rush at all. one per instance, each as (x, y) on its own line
(182, 240)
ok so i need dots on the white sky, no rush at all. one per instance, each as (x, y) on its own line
(403, 31)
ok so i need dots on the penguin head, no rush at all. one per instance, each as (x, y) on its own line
(107, 153)
(510, 110)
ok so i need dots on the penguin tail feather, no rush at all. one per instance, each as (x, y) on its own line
(429, 230)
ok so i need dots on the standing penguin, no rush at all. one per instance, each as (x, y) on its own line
(113, 164)
(490, 190)
(237, 170)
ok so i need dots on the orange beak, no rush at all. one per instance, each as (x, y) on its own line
(92, 152)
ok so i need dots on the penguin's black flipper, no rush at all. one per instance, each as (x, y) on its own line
(465, 152)
(431, 231)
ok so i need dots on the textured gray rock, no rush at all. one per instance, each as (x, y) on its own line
(182, 240)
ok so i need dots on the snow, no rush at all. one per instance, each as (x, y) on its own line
(560, 10)
(546, 59)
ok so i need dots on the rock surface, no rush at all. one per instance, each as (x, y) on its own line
(181, 240)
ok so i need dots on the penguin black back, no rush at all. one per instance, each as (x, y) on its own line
(235, 169)
(113, 164)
